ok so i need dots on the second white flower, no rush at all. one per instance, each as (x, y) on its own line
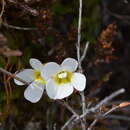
(62, 79)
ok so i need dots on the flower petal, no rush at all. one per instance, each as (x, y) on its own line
(64, 91)
(49, 70)
(70, 64)
(36, 64)
(26, 75)
(78, 81)
(34, 91)
(51, 88)
(55, 91)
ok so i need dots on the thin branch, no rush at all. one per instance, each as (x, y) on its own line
(68, 122)
(83, 123)
(83, 102)
(79, 61)
(54, 126)
(65, 104)
(84, 52)
(113, 95)
(101, 116)
(13, 76)
(102, 102)
(2, 10)
(79, 32)
(111, 110)
(92, 124)
(17, 27)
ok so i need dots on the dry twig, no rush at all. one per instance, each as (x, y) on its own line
(2, 10)
(65, 104)
(68, 122)
(101, 116)
(17, 27)
(102, 102)
(84, 52)
(13, 76)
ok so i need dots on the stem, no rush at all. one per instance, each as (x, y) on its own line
(68, 122)
(84, 52)
(2, 10)
(79, 61)
(83, 102)
(79, 32)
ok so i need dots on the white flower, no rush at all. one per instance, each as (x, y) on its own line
(34, 91)
(62, 79)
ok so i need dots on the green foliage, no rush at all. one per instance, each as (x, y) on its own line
(2, 62)
(60, 9)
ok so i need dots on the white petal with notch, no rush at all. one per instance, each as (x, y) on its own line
(26, 75)
(34, 91)
(78, 81)
(70, 64)
(36, 64)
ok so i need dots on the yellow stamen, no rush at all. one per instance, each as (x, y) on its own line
(37, 77)
(63, 77)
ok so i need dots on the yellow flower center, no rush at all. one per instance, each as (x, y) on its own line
(37, 77)
(63, 77)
